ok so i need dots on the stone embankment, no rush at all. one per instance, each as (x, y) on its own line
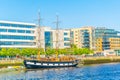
(7, 65)
(8, 62)
(99, 60)
(11, 68)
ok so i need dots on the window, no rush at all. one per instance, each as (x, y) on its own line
(65, 33)
(3, 30)
(12, 30)
(66, 39)
(48, 39)
(27, 31)
(16, 43)
(21, 31)
(66, 44)
(71, 34)
(17, 37)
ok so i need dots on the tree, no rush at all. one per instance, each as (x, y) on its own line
(4, 52)
(11, 52)
(42, 51)
(50, 51)
(25, 52)
(73, 46)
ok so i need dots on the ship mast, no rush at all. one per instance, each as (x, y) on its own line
(57, 23)
(39, 36)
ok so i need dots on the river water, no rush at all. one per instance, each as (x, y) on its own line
(109, 71)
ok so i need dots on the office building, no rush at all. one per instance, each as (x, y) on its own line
(51, 38)
(17, 35)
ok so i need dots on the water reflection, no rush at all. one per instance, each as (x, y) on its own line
(94, 72)
(49, 74)
(38, 74)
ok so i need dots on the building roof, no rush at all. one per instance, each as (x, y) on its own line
(13, 22)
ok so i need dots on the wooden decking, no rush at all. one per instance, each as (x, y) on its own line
(64, 58)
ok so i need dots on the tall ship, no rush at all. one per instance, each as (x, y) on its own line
(56, 62)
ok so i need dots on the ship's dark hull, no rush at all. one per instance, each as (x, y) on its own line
(34, 64)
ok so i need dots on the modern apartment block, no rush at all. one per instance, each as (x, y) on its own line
(106, 39)
(98, 39)
(86, 37)
(82, 37)
(17, 35)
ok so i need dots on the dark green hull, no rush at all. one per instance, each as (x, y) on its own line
(35, 64)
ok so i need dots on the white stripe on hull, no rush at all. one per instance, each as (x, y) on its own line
(38, 63)
(29, 63)
(50, 64)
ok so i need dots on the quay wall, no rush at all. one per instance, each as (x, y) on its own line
(99, 60)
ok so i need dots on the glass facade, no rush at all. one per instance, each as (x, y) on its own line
(17, 37)
(66, 44)
(102, 32)
(3, 30)
(16, 31)
(85, 38)
(11, 30)
(71, 37)
(16, 43)
(21, 31)
(66, 39)
(71, 34)
(48, 39)
(105, 34)
(12, 35)
(65, 33)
